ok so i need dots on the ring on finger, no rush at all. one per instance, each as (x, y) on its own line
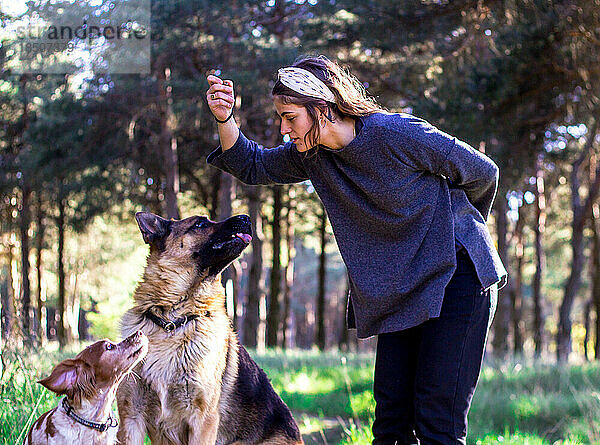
(213, 96)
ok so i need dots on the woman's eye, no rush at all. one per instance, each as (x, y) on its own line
(110, 346)
(290, 119)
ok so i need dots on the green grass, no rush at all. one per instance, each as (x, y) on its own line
(22, 399)
(539, 404)
(331, 398)
(321, 384)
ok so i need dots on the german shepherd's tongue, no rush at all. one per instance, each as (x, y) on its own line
(244, 237)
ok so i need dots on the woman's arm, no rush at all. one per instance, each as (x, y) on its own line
(423, 147)
(246, 159)
(221, 102)
(473, 172)
(252, 164)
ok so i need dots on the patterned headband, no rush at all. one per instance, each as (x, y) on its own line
(305, 82)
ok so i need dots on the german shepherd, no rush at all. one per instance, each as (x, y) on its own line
(197, 385)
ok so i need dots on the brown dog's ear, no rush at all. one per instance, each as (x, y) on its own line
(72, 377)
(63, 377)
(152, 226)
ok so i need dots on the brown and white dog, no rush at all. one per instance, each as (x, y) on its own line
(89, 383)
(198, 385)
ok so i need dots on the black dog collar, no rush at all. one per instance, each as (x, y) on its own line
(102, 427)
(169, 325)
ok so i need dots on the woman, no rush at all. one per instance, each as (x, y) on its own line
(408, 205)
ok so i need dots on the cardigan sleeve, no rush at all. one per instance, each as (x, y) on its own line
(252, 164)
(423, 147)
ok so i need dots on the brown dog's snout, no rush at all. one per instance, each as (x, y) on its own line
(134, 339)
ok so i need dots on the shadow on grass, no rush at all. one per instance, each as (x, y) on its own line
(332, 431)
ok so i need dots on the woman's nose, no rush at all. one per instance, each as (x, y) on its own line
(285, 129)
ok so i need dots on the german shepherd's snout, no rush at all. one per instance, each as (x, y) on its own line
(227, 241)
(197, 384)
(214, 245)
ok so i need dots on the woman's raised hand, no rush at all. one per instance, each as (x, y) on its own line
(220, 97)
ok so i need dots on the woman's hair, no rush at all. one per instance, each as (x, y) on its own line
(351, 98)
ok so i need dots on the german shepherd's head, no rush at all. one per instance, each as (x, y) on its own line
(188, 255)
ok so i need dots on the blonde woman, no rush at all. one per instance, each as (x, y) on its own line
(408, 204)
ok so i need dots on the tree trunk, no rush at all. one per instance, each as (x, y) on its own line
(502, 318)
(225, 196)
(286, 340)
(24, 223)
(274, 322)
(595, 272)
(517, 289)
(587, 311)
(540, 261)
(229, 276)
(320, 315)
(274, 307)
(168, 145)
(215, 192)
(581, 213)
(40, 296)
(251, 320)
(63, 327)
(563, 336)
(305, 326)
(8, 299)
(5, 313)
(343, 342)
(73, 309)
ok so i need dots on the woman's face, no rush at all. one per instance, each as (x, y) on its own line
(295, 122)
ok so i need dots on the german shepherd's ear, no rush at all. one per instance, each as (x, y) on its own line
(152, 226)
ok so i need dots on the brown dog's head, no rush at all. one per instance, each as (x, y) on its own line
(195, 245)
(96, 369)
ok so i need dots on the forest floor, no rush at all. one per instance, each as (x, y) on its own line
(331, 397)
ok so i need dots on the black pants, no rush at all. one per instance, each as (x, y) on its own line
(425, 376)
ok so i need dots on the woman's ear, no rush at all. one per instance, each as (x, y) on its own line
(326, 116)
(329, 115)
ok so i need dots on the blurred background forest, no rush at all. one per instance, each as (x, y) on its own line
(81, 153)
